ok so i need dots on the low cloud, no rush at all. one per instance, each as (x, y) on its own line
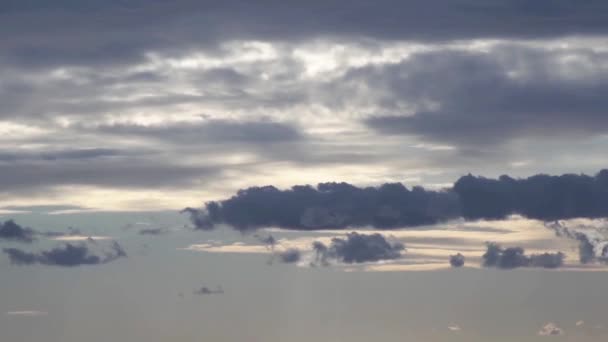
(69, 255)
(550, 329)
(290, 256)
(592, 242)
(515, 257)
(357, 248)
(392, 205)
(457, 260)
(152, 231)
(328, 205)
(9, 230)
(208, 291)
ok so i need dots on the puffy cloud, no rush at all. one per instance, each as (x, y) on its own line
(10, 230)
(69, 255)
(290, 256)
(550, 329)
(329, 205)
(457, 260)
(392, 205)
(357, 248)
(514, 257)
(152, 231)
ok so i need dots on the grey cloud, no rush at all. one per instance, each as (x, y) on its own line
(358, 248)
(71, 154)
(592, 243)
(342, 205)
(514, 257)
(478, 101)
(152, 231)
(208, 291)
(116, 32)
(213, 132)
(329, 205)
(290, 256)
(117, 173)
(67, 256)
(457, 260)
(9, 230)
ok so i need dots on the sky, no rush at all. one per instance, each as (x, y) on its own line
(294, 171)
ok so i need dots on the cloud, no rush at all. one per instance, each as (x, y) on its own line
(290, 256)
(514, 257)
(541, 196)
(592, 241)
(124, 33)
(474, 100)
(9, 230)
(550, 329)
(454, 327)
(68, 255)
(357, 248)
(457, 260)
(152, 231)
(207, 291)
(392, 205)
(329, 205)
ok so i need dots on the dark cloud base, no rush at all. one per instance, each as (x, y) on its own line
(342, 205)
(66, 256)
(357, 248)
(10, 230)
(515, 257)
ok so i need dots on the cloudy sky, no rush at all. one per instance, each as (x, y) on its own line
(284, 128)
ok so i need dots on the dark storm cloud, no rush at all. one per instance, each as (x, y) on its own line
(357, 248)
(490, 98)
(342, 205)
(9, 230)
(541, 197)
(39, 34)
(68, 255)
(290, 256)
(329, 205)
(514, 257)
(457, 260)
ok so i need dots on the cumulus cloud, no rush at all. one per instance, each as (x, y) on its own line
(457, 260)
(328, 205)
(357, 248)
(69, 255)
(9, 230)
(550, 329)
(342, 205)
(514, 257)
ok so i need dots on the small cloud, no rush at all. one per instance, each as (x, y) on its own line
(457, 260)
(207, 291)
(10, 230)
(454, 327)
(580, 323)
(27, 313)
(152, 231)
(290, 256)
(68, 255)
(550, 329)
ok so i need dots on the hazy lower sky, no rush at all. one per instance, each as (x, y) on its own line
(286, 128)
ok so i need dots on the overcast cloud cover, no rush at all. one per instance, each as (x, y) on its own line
(109, 104)
(339, 142)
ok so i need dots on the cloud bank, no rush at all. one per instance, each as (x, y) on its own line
(392, 205)
(514, 257)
